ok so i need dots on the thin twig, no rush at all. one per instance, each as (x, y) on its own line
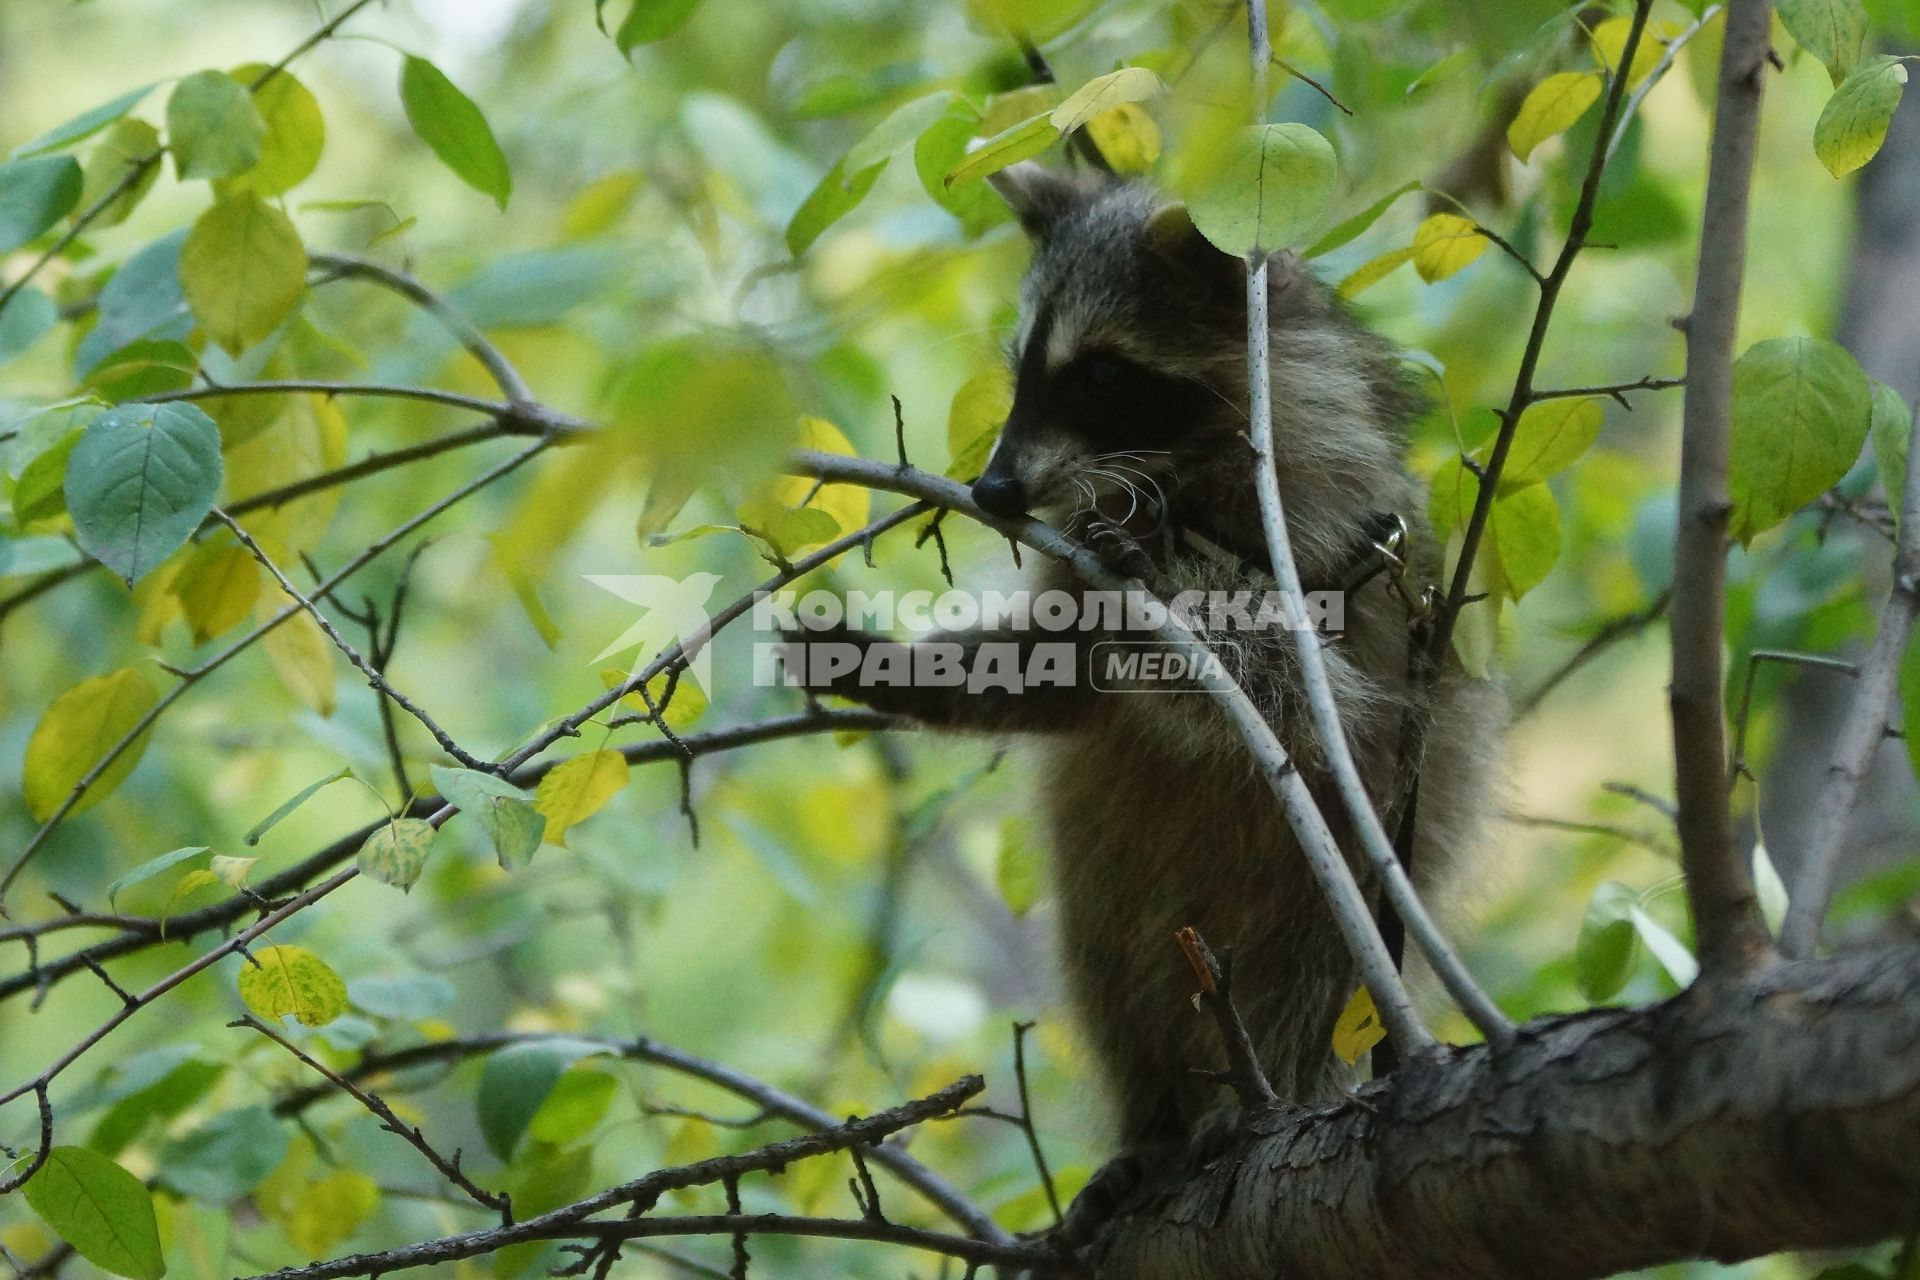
(1413, 1039)
(449, 1167)
(498, 367)
(1215, 997)
(1610, 633)
(1020, 1030)
(1738, 767)
(380, 683)
(1862, 731)
(1323, 855)
(1616, 391)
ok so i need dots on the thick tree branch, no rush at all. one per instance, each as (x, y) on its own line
(1726, 914)
(1862, 733)
(1784, 1114)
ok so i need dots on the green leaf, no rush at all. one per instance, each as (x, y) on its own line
(27, 318)
(1525, 529)
(100, 1209)
(139, 483)
(454, 128)
(328, 1210)
(213, 128)
(1552, 106)
(1834, 31)
(35, 194)
(285, 980)
(225, 1158)
(1373, 271)
(84, 125)
(1550, 437)
(1352, 228)
(296, 133)
(150, 868)
(243, 269)
(410, 996)
(1103, 93)
(1016, 870)
(833, 199)
(78, 730)
(1910, 702)
(396, 853)
(516, 1083)
(1604, 956)
(267, 823)
(504, 812)
(129, 149)
(901, 128)
(577, 1103)
(1017, 142)
(980, 408)
(1801, 409)
(651, 20)
(1891, 429)
(1272, 187)
(1854, 122)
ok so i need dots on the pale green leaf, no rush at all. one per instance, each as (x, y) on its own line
(1550, 437)
(243, 269)
(1102, 93)
(77, 732)
(1271, 188)
(397, 852)
(1604, 956)
(1017, 142)
(150, 868)
(267, 823)
(213, 127)
(1801, 409)
(295, 133)
(1854, 122)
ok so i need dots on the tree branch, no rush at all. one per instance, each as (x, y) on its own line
(1323, 855)
(1726, 914)
(1783, 1115)
(1861, 733)
(1325, 711)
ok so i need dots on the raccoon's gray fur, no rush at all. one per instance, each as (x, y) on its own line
(1132, 345)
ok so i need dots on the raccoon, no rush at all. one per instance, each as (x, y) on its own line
(1129, 427)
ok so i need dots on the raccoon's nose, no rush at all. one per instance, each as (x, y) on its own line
(1000, 495)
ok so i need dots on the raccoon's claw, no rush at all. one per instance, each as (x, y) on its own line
(1117, 549)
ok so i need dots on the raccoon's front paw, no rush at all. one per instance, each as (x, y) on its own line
(1111, 1185)
(1117, 549)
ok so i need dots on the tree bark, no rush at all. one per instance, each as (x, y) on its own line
(1780, 1112)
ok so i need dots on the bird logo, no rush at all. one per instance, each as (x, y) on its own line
(674, 613)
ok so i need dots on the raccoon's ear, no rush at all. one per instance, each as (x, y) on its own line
(1171, 235)
(1037, 195)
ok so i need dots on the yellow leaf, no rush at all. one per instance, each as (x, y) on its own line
(1022, 141)
(156, 601)
(980, 408)
(243, 269)
(1127, 137)
(330, 1210)
(292, 980)
(1128, 84)
(217, 587)
(309, 438)
(81, 726)
(849, 505)
(577, 789)
(689, 699)
(1553, 106)
(1609, 40)
(601, 204)
(300, 653)
(1368, 274)
(1358, 1028)
(186, 885)
(1445, 243)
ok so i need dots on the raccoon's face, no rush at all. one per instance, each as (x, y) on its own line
(1129, 361)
